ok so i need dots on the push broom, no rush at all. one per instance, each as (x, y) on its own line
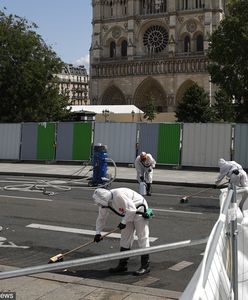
(185, 199)
(60, 257)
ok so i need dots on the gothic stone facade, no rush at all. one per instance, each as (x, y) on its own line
(150, 50)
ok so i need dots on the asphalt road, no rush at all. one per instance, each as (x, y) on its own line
(38, 226)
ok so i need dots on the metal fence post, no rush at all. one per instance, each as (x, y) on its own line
(234, 239)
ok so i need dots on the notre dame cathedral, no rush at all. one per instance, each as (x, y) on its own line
(150, 50)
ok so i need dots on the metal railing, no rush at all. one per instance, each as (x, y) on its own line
(98, 259)
(217, 276)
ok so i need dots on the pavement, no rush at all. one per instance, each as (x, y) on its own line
(50, 286)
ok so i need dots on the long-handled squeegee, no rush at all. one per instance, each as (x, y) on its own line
(60, 257)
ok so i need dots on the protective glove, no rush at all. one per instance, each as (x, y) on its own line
(121, 226)
(236, 172)
(97, 238)
(142, 178)
(217, 182)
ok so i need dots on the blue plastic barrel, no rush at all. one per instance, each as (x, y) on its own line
(100, 166)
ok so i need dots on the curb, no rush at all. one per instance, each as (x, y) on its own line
(101, 284)
(173, 183)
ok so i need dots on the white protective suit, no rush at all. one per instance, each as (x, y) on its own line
(227, 168)
(145, 168)
(124, 201)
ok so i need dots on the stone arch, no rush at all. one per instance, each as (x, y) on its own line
(113, 96)
(124, 48)
(112, 49)
(115, 33)
(122, 45)
(198, 41)
(151, 89)
(191, 26)
(186, 43)
(148, 23)
(182, 89)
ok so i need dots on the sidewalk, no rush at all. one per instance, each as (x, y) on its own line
(49, 286)
(128, 174)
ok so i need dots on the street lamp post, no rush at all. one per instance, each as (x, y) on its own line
(132, 113)
(106, 114)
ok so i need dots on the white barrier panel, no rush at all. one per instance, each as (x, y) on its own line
(243, 256)
(240, 144)
(213, 278)
(120, 139)
(10, 141)
(204, 144)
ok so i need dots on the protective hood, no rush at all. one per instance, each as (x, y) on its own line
(224, 166)
(143, 156)
(221, 162)
(102, 196)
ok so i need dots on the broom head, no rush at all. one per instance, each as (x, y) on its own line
(184, 199)
(56, 258)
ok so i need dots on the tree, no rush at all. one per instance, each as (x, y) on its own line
(28, 87)
(194, 106)
(228, 54)
(150, 112)
(223, 108)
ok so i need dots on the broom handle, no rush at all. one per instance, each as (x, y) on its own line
(89, 243)
(198, 192)
(205, 190)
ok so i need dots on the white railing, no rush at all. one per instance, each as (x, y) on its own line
(223, 273)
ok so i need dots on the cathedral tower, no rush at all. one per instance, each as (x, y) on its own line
(146, 50)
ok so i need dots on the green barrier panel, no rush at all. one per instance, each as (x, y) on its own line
(46, 141)
(82, 134)
(169, 144)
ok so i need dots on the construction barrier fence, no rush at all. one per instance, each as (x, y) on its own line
(178, 144)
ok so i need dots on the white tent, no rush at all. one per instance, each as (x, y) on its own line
(116, 109)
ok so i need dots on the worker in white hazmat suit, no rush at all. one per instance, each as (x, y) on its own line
(233, 171)
(144, 165)
(127, 204)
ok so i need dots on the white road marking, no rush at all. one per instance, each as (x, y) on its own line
(177, 211)
(18, 181)
(26, 198)
(180, 266)
(77, 230)
(10, 244)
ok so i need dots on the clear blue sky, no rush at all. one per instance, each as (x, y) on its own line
(65, 25)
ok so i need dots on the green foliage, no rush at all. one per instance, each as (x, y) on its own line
(150, 111)
(194, 106)
(28, 87)
(228, 53)
(223, 108)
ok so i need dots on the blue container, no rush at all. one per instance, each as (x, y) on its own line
(100, 166)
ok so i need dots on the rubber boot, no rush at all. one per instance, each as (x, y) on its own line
(148, 189)
(122, 266)
(145, 266)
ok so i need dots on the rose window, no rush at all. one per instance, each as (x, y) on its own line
(155, 38)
